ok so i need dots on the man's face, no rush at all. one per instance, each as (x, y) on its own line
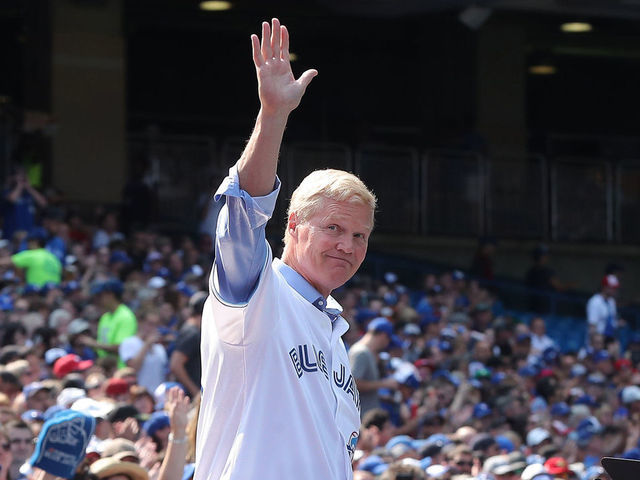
(21, 441)
(329, 248)
(463, 463)
(41, 400)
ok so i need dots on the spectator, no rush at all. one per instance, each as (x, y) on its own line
(602, 314)
(482, 265)
(41, 266)
(21, 440)
(363, 357)
(116, 324)
(21, 200)
(144, 353)
(185, 359)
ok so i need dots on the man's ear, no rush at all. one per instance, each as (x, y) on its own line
(292, 223)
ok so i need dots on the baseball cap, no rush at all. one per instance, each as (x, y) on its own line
(157, 421)
(53, 354)
(610, 281)
(69, 395)
(116, 386)
(600, 356)
(630, 394)
(119, 256)
(78, 325)
(70, 363)
(556, 466)
(481, 410)
(93, 408)
(32, 416)
(381, 324)
(536, 436)
(560, 409)
(34, 387)
(113, 286)
(123, 411)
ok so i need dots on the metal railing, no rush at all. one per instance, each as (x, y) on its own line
(441, 192)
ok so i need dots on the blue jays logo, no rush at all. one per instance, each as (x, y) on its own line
(351, 444)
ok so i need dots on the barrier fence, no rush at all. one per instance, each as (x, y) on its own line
(441, 192)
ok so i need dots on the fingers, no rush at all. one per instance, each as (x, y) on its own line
(306, 77)
(255, 48)
(266, 41)
(275, 38)
(285, 43)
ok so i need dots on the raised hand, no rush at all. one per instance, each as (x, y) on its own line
(177, 406)
(278, 89)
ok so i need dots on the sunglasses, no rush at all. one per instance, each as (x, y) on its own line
(6, 446)
(463, 463)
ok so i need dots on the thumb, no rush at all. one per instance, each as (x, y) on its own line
(306, 77)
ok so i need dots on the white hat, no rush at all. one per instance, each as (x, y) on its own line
(92, 407)
(532, 470)
(69, 395)
(630, 394)
(77, 326)
(537, 436)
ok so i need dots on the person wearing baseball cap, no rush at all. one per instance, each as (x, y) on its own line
(363, 358)
(70, 363)
(602, 313)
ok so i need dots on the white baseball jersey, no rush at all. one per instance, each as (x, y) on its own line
(278, 400)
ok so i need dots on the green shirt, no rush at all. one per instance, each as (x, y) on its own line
(41, 266)
(115, 326)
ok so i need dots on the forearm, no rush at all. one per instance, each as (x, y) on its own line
(183, 377)
(14, 194)
(259, 161)
(369, 385)
(175, 458)
(136, 362)
(37, 196)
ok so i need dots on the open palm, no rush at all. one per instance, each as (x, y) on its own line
(278, 89)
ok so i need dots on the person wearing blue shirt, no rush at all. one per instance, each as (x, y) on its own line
(20, 202)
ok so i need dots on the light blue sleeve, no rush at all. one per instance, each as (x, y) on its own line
(241, 247)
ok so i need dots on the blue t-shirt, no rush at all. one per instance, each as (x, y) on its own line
(19, 215)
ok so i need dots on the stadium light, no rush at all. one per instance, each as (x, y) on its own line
(576, 27)
(542, 69)
(215, 5)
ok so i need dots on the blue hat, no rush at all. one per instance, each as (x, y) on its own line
(633, 454)
(34, 387)
(457, 275)
(6, 302)
(596, 378)
(71, 286)
(157, 421)
(498, 377)
(399, 439)
(560, 409)
(30, 288)
(119, 256)
(62, 443)
(481, 410)
(390, 298)
(185, 289)
(577, 370)
(586, 399)
(528, 371)
(429, 318)
(380, 324)
(448, 332)
(550, 354)
(370, 463)
(113, 286)
(521, 337)
(425, 463)
(539, 404)
(504, 443)
(363, 315)
(38, 233)
(445, 346)
(407, 378)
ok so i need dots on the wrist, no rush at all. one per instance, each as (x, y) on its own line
(177, 439)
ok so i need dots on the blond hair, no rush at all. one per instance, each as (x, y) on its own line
(328, 184)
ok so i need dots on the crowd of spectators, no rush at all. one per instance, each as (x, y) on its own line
(106, 323)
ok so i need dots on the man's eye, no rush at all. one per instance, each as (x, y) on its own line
(332, 228)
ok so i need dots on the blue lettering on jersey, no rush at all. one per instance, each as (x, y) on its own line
(347, 384)
(309, 361)
(296, 361)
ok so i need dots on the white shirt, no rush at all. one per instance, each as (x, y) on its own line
(153, 370)
(598, 311)
(278, 400)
